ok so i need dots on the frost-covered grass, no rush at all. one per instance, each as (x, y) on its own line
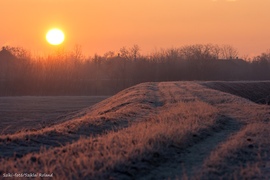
(148, 131)
(100, 156)
(246, 155)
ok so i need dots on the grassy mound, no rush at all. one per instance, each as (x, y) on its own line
(150, 131)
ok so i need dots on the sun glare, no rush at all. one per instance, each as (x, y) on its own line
(55, 36)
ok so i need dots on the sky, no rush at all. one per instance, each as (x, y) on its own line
(99, 26)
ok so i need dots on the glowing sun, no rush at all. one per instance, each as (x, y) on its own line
(55, 36)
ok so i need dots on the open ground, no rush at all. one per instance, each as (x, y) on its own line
(159, 130)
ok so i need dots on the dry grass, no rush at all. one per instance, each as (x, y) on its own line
(98, 157)
(243, 156)
(141, 130)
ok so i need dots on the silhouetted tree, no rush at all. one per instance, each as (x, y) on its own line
(70, 73)
(228, 52)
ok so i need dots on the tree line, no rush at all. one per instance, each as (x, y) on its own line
(70, 73)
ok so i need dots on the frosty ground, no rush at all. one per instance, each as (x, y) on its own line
(162, 130)
(31, 112)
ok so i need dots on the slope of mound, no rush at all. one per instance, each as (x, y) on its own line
(149, 131)
(112, 113)
(258, 92)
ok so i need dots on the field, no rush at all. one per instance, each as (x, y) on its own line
(33, 112)
(165, 130)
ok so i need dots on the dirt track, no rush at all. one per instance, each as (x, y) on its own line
(188, 161)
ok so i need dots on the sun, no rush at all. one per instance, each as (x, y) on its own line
(55, 36)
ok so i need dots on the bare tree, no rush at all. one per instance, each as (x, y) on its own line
(134, 52)
(77, 53)
(228, 52)
(124, 53)
(109, 54)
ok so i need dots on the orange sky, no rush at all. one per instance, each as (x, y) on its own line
(103, 25)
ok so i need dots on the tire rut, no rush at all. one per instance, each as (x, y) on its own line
(186, 162)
